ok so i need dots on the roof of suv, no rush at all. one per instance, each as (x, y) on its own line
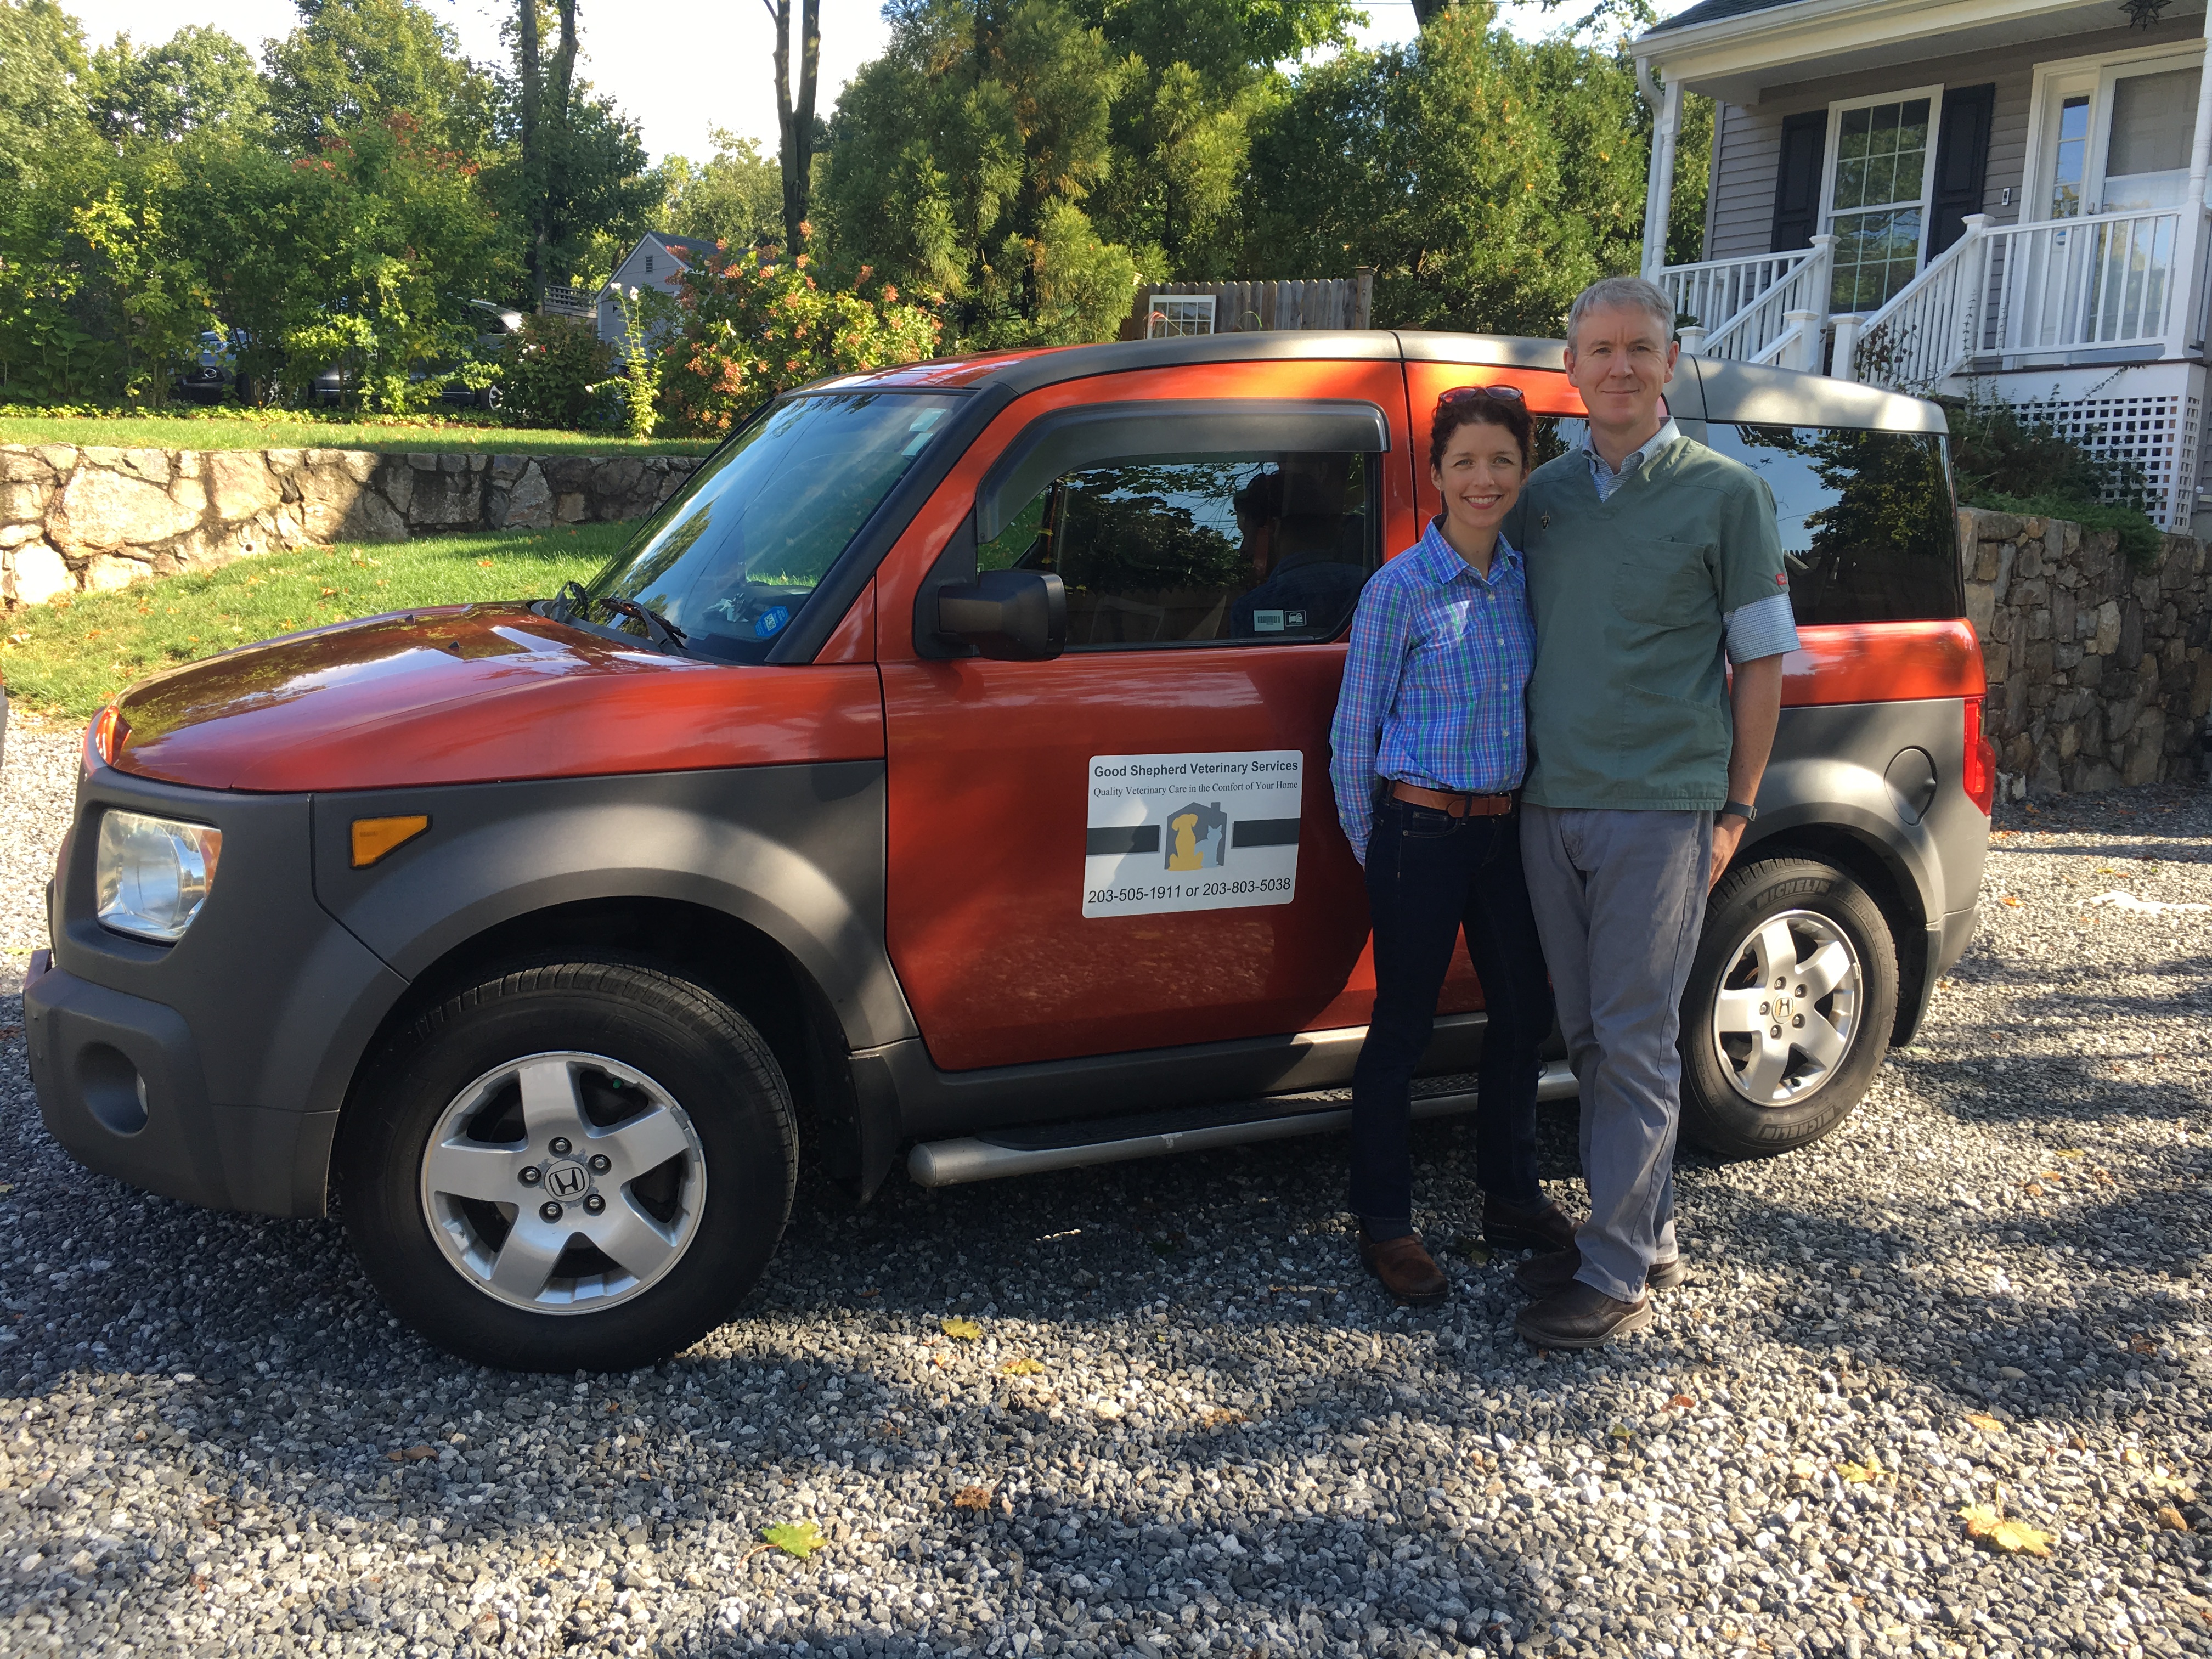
(1724, 391)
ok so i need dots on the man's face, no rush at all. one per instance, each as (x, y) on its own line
(1620, 362)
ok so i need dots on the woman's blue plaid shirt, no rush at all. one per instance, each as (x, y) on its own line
(1435, 682)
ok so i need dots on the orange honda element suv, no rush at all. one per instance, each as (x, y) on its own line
(944, 769)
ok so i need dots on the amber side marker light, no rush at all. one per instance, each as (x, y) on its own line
(374, 837)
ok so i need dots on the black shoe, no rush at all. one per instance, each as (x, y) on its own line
(1547, 1275)
(1509, 1227)
(1581, 1316)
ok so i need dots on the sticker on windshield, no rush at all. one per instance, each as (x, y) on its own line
(1191, 832)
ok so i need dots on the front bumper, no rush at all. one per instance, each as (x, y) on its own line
(212, 1070)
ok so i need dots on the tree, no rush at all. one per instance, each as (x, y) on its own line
(200, 77)
(352, 62)
(530, 96)
(1013, 153)
(795, 116)
(42, 117)
(1486, 179)
(735, 198)
(958, 160)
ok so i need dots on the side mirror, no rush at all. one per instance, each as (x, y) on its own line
(1015, 616)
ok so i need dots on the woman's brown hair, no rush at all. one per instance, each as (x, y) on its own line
(1477, 406)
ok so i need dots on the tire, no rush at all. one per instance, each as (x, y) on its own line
(1768, 1070)
(505, 1136)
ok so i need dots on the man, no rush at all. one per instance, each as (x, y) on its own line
(1649, 559)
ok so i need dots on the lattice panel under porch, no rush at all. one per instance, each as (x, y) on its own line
(2159, 432)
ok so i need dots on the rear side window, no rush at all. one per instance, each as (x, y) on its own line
(1172, 550)
(1866, 517)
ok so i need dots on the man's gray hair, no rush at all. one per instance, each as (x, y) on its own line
(1623, 293)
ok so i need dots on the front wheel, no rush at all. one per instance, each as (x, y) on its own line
(1789, 1008)
(571, 1166)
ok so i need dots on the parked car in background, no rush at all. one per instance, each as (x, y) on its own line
(943, 770)
(213, 377)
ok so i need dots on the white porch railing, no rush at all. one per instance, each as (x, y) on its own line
(2115, 279)
(2107, 282)
(1743, 305)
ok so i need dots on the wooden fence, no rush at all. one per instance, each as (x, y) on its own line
(1322, 302)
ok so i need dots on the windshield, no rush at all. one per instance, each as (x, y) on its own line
(739, 551)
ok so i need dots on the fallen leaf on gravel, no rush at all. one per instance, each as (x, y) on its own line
(1985, 1526)
(1681, 1402)
(1804, 1468)
(2141, 1345)
(800, 1539)
(2032, 1190)
(2103, 1177)
(416, 1454)
(1218, 1417)
(2171, 1518)
(1986, 1424)
(960, 1330)
(977, 1499)
(2011, 899)
(1857, 1474)
(2070, 1151)
(1023, 1367)
(1471, 1249)
(1620, 1433)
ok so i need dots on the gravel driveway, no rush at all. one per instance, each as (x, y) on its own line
(1188, 1423)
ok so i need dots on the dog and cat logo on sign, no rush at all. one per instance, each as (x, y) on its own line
(1191, 832)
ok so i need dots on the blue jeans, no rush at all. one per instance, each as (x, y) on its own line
(1428, 875)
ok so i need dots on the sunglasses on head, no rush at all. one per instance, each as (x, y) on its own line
(1461, 394)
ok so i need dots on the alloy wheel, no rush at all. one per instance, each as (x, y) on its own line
(563, 1183)
(1789, 1008)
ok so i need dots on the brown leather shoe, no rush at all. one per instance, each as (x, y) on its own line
(1407, 1271)
(1508, 1227)
(1547, 1275)
(1581, 1317)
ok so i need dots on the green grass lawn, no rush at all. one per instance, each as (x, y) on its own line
(430, 436)
(69, 656)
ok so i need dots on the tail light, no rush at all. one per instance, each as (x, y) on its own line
(1979, 774)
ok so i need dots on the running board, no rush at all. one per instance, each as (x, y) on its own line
(1119, 1141)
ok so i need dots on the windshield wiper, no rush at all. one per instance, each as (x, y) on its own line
(572, 603)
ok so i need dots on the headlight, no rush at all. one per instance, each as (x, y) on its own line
(154, 873)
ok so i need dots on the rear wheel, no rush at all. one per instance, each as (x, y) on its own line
(571, 1166)
(1789, 1008)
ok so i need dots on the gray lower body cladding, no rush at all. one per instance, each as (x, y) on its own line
(214, 1070)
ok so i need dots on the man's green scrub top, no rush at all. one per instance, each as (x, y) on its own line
(1628, 708)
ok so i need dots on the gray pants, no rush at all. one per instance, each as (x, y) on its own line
(1619, 898)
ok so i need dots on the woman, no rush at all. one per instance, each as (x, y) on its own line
(1430, 745)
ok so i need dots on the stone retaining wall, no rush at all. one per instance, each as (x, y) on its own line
(2099, 674)
(72, 519)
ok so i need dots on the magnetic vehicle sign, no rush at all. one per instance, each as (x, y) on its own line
(1191, 832)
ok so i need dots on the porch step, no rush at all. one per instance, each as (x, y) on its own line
(1032, 1151)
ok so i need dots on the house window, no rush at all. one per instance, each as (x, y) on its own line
(1878, 196)
(648, 264)
(2071, 164)
(2112, 135)
(1180, 313)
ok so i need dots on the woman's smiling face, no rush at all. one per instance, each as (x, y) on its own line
(1479, 478)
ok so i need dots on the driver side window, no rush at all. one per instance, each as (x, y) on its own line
(1162, 551)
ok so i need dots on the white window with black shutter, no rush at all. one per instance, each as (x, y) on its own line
(1880, 173)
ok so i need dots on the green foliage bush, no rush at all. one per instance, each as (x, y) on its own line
(549, 372)
(2011, 462)
(755, 326)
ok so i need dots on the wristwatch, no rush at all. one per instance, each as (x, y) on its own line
(1740, 809)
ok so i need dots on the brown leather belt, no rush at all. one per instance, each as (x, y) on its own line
(1452, 802)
